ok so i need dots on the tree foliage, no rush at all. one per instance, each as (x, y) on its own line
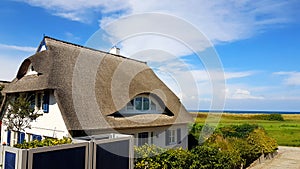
(19, 114)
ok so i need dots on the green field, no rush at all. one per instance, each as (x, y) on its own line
(287, 132)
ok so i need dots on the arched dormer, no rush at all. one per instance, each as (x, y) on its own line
(26, 69)
(31, 71)
(143, 104)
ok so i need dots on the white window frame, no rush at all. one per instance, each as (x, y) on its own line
(37, 99)
(131, 106)
(142, 103)
(172, 136)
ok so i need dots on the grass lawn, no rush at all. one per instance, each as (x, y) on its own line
(287, 132)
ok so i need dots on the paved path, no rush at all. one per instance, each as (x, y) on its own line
(287, 158)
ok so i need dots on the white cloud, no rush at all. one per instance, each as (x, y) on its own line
(105, 6)
(71, 16)
(221, 21)
(217, 21)
(79, 10)
(18, 48)
(11, 57)
(71, 37)
(194, 87)
(234, 75)
(291, 78)
(243, 94)
(202, 75)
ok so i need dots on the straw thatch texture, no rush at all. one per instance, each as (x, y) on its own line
(89, 85)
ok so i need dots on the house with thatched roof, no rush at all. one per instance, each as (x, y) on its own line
(79, 91)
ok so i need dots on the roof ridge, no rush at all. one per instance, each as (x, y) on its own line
(89, 48)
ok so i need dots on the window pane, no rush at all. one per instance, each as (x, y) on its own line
(39, 101)
(172, 136)
(138, 103)
(145, 103)
(152, 138)
(142, 138)
(32, 100)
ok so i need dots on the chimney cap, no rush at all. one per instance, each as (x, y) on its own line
(115, 50)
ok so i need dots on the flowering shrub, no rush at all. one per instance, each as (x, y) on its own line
(43, 143)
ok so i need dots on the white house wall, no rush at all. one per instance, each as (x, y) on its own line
(161, 140)
(159, 134)
(50, 124)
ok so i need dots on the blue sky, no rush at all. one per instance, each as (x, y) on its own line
(258, 43)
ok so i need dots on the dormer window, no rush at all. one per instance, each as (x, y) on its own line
(141, 103)
(31, 71)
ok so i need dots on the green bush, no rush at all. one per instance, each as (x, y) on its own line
(43, 143)
(153, 157)
(147, 156)
(218, 155)
(246, 150)
(212, 156)
(239, 131)
(175, 159)
(200, 133)
(255, 144)
(270, 117)
(227, 148)
(261, 142)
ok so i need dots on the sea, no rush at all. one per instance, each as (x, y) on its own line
(246, 112)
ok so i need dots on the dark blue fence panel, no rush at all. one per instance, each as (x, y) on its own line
(71, 158)
(113, 155)
(10, 160)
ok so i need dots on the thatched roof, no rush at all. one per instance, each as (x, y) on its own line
(89, 85)
(3, 82)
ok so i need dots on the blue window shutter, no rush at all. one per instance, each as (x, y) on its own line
(21, 137)
(36, 137)
(39, 137)
(167, 137)
(8, 137)
(179, 136)
(46, 102)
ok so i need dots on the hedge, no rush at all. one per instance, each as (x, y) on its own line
(43, 143)
(227, 148)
